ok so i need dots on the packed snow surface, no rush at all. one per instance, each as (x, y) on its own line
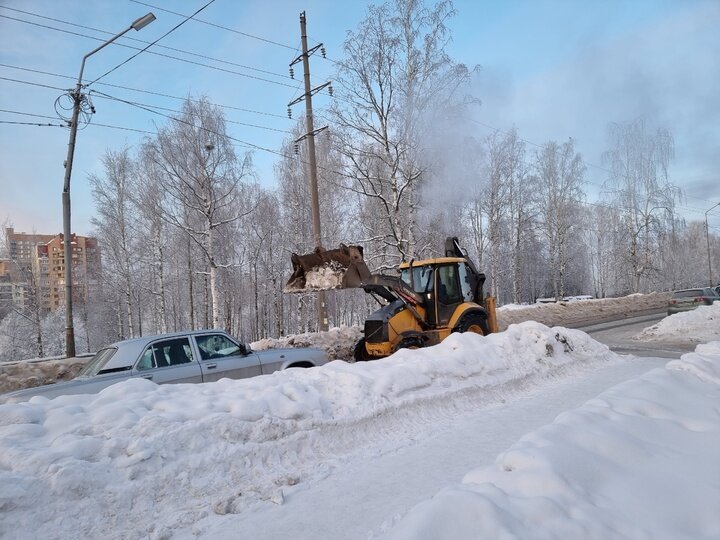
(638, 462)
(139, 459)
(699, 325)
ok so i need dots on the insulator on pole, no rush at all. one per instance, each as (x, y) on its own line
(322, 51)
(330, 90)
(292, 73)
(289, 113)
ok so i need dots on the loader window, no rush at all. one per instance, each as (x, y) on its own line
(449, 285)
(465, 285)
(422, 278)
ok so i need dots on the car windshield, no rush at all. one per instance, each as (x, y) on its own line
(97, 362)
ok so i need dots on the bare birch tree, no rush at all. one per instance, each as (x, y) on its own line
(396, 74)
(204, 181)
(114, 224)
(639, 184)
(559, 170)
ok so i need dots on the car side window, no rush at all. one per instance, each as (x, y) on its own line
(215, 346)
(171, 352)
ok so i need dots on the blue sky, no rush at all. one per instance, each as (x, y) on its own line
(554, 69)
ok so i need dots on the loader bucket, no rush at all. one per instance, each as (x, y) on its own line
(322, 270)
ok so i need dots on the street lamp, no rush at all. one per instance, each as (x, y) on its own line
(77, 97)
(707, 240)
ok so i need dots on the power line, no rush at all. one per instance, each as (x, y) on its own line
(32, 83)
(284, 117)
(104, 96)
(32, 124)
(22, 113)
(185, 60)
(151, 44)
(147, 42)
(215, 25)
(29, 114)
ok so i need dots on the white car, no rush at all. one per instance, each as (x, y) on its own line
(180, 357)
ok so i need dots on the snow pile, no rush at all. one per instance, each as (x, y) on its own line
(699, 325)
(29, 373)
(583, 312)
(640, 461)
(139, 459)
(338, 342)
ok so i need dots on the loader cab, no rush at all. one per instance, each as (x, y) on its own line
(443, 283)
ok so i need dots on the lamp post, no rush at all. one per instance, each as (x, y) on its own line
(707, 240)
(77, 97)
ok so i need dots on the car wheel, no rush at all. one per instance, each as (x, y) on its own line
(473, 323)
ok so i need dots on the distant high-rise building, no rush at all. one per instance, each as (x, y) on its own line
(40, 258)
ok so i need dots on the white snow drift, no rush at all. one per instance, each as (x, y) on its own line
(697, 326)
(639, 462)
(140, 459)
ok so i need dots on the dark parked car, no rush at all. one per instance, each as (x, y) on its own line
(688, 299)
(181, 357)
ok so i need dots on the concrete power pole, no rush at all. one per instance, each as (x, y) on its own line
(311, 162)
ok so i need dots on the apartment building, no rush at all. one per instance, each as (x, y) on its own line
(40, 257)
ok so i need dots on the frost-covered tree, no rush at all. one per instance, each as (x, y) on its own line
(395, 77)
(204, 180)
(559, 170)
(639, 185)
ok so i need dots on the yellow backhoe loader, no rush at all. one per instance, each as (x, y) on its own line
(421, 306)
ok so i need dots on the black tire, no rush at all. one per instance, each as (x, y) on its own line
(474, 323)
(410, 342)
(360, 353)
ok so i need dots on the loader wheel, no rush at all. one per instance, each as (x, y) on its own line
(360, 353)
(413, 342)
(473, 323)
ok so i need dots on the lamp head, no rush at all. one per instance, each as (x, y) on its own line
(142, 22)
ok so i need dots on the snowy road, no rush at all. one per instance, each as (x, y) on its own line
(364, 493)
(618, 335)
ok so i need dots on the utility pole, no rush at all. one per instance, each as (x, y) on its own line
(707, 240)
(78, 98)
(311, 162)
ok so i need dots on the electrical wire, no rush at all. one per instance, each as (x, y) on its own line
(185, 60)
(215, 25)
(27, 114)
(126, 37)
(99, 94)
(160, 94)
(32, 124)
(30, 83)
(151, 44)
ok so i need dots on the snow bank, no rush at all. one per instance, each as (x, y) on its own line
(640, 461)
(582, 312)
(139, 459)
(696, 326)
(36, 372)
(338, 342)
